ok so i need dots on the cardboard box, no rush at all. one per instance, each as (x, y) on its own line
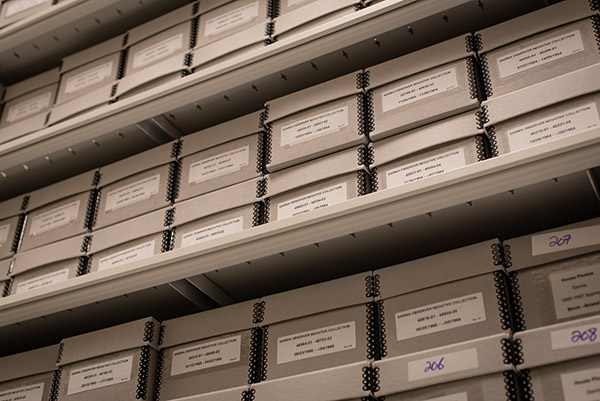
(422, 87)
(314, 122)
(28, 375)
(231, 394)
(26, 105)
(222, 155)
(556, 273)
(317, 184)
(12, 11)
(12, 217)
(428, 151)
(540, 58)
(114, 363)
(5, 268)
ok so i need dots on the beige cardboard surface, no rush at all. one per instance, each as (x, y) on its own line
(232, 394)
(30, 84)
(90, 54)
(41, 360)
(62, 189)
(37, 101)
(127, 252)
(99, 97)
(55, 252)
(162, 72)
(4, 268)
(11, 12)
(47, 275)
(8, 229)
(11, 207)
(161, 24)
(30, 386)
(23, 127)
(301, 16)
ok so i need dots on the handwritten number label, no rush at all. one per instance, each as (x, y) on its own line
(432, 366)
(556, 241)
(588, 335)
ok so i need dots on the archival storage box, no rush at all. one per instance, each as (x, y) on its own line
(421, 87)
(5, 266)
(428, 151)
(557, 273)
(12, 216)
(208, 351)
(12, 11)
(59, 211)
(316, 184)
(314, 122)
(136, 185)
(540, 58)
(29, 376)
(26, 105)
(222, 155)
(116, 363)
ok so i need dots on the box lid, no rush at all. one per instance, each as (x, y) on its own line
(123, 337)
(41, 360)
(162, 23)
(13, 206)
(554, 244)
(20, 88)
(62, 189)
(4, 271)
(295, 14)
(55, 252)
(93, 53)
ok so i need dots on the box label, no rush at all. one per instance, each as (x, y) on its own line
(426, 168)
(219, 165)
(42, 281)
(575, 336)
(33, 392)
(313, 201)
(55, 218)
(88, 78)
(574, 121)
(315, 126)
(207, 355)
(540, 53)
(565, 240)
(581, 386)
(139, 252)
(231, 19)
(29, 107)
(444, 364)
(132, 193)
(422, 88)
(158, 50)
(576, 292)
(101, 375)
(18, 6)
(440, 316)
(291, 3)
(4, 229)
(217, 230)
(318, 342)
(453, 397)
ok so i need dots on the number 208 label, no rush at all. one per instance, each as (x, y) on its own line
(575, 336)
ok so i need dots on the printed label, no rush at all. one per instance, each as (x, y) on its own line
(453, 397)
(426, 168)
(313, 343)
(576, 292)
(29, 107)
(231, 19)
(89, 77)
(540, 54)
(29, 393)
(219, 165)
(312, 127)
(207, 355)
(4, 233)
(101, 375)
(575, 336)
(213, 231)
(440, 316)
(443, 364)
(139, 252)
(55, 218)
(157, 51)
(18, 6)
(132, 193)
(581, 386)
(420, 89)
(42, 281)
(565, 240)
(291, 3)
(313, 201)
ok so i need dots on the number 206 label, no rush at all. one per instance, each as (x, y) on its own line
(439, 365)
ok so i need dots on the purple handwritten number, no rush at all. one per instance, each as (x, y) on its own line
(555, 241)
(433, 366)
(586, 335)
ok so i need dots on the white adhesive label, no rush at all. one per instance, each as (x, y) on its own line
(217, 230)
(576, 292)
(207, 355)
(132, 193)
(565, 240)
(315, 126)
(291, 3)
(574, 121)
(42, 281)
(581, 386)
(139, 252)
(575, 336)
(18, 6)
(219, 165)
(4, 229)
(540, 53)
(426, 168)
(157, 51)
(29, 107)
(420, 89)
(440, 316)
(443, 364)
(313, 343)
(452, 397)
(231, 19)
(33, 392)
(313, 201)
(101, 375)
(55, 218)
(88, 78)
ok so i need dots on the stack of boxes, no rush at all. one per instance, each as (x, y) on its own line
(11, 225)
